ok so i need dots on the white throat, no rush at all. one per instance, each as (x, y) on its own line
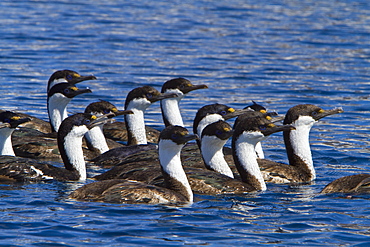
(58, 109)
(299, 139)
(136, 121)
(6, 147)
(245, 150)
(73, 148)
(96, 138)
(213, 155)
(170, 108)
(169, 156)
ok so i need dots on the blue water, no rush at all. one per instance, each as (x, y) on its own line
(278, 53)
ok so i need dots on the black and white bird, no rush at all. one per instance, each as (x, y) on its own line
(67, 76)
(170, 106)
(60, 76)
(9, 122)
(95, 139)
(70, 135)
(176, 187)
(137, 101)
(58, 98)
(142, 166)
(247, 133)
(300, 168)
(212, 113)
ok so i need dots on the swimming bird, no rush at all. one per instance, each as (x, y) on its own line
(95, 138)
(247, 133)
(212, 113)
(34, 144)
(67, 76)
(176, 187)
(170, 106)
(60, 76)
(9, 121)
(137, 101)
(214, 137)
(45, 146)
(300, 168)
(259, 108)
(143, 166)
(358, 183)
(70, 135)
(58, 98)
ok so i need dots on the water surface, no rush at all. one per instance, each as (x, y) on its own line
(277, 53)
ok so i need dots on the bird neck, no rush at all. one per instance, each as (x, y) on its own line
(6, 147)
(298, 146)
(70, 148)
(135, 123)
(96, 140)
(57, 110)
(170, 109)
(173, 172)
(135, 126)
(245, 159)
(213, 155)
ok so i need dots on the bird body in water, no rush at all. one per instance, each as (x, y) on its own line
(300, 168)
(70, 135)
(176, 187)
(141, 167)
(358, 183)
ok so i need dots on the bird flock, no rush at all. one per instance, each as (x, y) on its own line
(166, 167)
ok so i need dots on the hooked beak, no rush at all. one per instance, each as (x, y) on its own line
(277, 128)
(119, 113)
(326, 113)
(186, 138)
(79, 91)
(193, 87)
(81, 78)
(101, 120)
(235, 113)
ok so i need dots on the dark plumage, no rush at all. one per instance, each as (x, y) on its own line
(175, 187)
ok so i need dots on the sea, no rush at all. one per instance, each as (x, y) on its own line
(276, 53)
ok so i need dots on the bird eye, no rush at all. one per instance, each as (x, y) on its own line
(66, 90)
(314, 113)
(223, 113)
(106, 111)
(218, 132)
(149, 95)
(87, 121)
(69, 77)
(182, 86)
(6, 120)
(262, 127)
(174, 136)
